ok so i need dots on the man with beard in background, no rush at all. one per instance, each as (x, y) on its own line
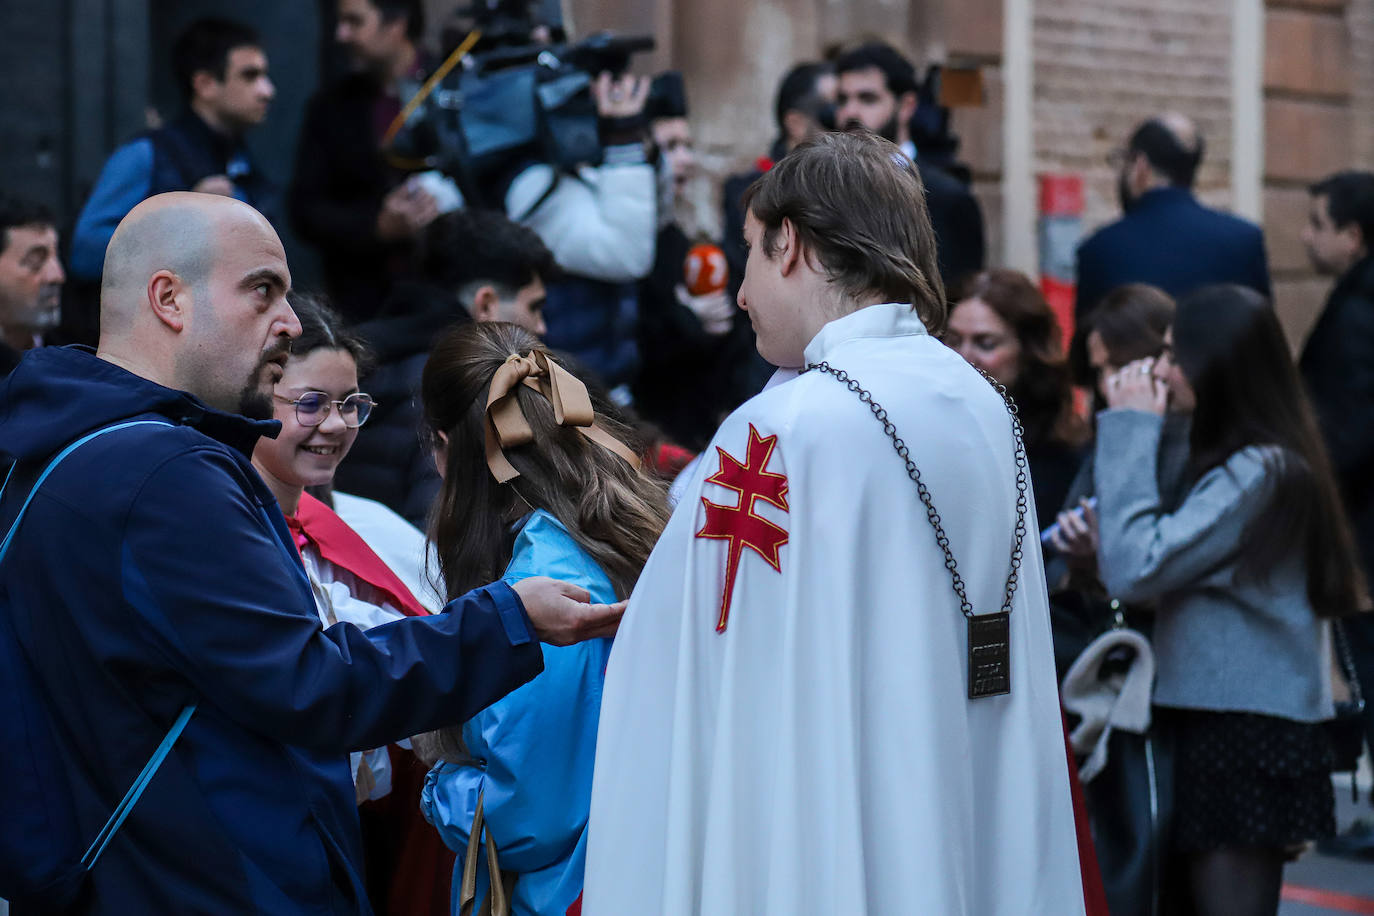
(878, 92)
(1165, 236)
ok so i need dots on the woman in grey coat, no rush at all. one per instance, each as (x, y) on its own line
(1244, 574)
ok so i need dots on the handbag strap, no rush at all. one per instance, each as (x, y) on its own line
(497, 902)
(131, 797)
(1347, 662)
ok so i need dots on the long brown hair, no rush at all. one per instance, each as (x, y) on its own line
(1043, 390)
(1230, 346)
(613, 511)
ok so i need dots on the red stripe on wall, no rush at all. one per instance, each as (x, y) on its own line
(1330, 900)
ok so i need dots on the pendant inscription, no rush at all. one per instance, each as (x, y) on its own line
(989, 655)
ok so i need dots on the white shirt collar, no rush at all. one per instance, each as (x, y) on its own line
(892, 319)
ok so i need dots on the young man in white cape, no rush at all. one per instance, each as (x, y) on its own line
(787, 725)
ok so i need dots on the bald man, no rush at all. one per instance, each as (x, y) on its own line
(1165, 237)
(153, 571)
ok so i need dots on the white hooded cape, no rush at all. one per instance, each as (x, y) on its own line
(820, 755)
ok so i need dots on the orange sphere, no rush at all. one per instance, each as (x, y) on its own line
(705, 270)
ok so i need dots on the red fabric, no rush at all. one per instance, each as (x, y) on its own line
(576, 908)
(741, 525)
(409, 866)
(669, 459)
(315, 523)
(406, 854)
(1094, 895)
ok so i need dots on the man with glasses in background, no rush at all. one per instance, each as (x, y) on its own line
(1165, 236)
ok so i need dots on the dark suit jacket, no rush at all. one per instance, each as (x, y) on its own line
(1337, 366)
(9, 359)
(1171, 241)
(958, 223)
(337, 193)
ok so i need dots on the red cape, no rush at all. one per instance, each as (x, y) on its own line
(317, 524)
(1094, 894)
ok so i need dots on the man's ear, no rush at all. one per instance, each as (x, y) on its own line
(203, 84)
(1357, 240)
(168, 297)
(796, 126)
(486, 304)
(789, 247)
(1141, 172)
(906, 107)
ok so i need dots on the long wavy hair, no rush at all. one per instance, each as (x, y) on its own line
(612, 510)
(1233, 353)
(1043, 390)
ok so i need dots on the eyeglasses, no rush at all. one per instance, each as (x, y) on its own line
(313, 407)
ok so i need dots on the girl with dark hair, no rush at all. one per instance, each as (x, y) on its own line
(1003, 326)
(538, 479)
(1128, 325)
(1244, 573)
(320, 408)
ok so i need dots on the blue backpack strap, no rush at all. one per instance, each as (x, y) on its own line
(5, 545)
(150, 769)
(131, 797)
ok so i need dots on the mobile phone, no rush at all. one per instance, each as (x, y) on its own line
(1047, 536)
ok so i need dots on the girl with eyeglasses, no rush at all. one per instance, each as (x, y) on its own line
(320, 409)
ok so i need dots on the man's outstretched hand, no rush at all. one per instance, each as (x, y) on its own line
(560, 612)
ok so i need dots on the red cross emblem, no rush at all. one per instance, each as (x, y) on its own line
(741, 525)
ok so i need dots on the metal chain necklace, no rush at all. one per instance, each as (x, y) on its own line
(989, 635)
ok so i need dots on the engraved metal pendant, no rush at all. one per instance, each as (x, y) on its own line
(989, 635)
(989, 655)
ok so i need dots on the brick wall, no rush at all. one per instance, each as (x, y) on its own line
(1102, 66)
(1310, 131)
(733, 55)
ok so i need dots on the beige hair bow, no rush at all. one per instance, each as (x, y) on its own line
(506, 425)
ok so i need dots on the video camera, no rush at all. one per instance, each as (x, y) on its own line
(515, 98)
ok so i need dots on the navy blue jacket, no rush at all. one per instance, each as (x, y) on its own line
(153, 570)
(1170, 240)
(1337, 366)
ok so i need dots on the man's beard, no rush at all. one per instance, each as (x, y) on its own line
(254, 403)
(49, 312)
(1123, 194)
(888, 131)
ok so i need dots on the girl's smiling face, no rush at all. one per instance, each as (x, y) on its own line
(303, 456)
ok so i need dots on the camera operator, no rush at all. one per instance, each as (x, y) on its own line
(600, 223)
(361, 212)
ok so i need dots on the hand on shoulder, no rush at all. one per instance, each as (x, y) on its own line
(561, 614)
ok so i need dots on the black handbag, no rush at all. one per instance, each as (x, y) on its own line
(1345, 730)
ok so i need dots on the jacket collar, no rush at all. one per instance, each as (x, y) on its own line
(59, 393)
(1158, 198)
(892, 319)
(193, 126)
(1359, 279)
